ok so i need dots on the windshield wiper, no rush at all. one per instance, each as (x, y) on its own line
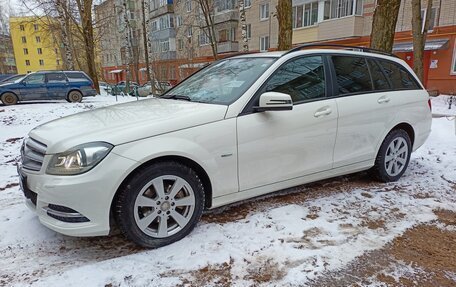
(177, 97)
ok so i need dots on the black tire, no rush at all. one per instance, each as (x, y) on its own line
(74, 97)
(390, 166)
(127, 214)
(9, 99)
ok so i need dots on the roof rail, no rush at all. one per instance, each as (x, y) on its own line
(363, 49)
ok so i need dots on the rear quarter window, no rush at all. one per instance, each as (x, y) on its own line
(400, 78)
(352, 75)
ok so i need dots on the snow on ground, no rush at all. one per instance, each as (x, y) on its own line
(288, 239)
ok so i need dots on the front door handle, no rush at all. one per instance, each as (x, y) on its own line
(323, 112)
(383, 100)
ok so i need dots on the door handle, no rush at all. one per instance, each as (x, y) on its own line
(383, 100)
(322, 112)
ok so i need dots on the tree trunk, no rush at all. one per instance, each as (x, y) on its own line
(145, 25)
(65, 30)
(419, 36)
(127, 47)
(85, 12)
(245, 44)
(285, 18)
(384, 25)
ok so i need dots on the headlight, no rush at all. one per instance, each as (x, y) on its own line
(79, 159)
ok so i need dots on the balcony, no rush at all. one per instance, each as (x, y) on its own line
(168, 8)
(346, 27)
(226, 47)
(225, 16)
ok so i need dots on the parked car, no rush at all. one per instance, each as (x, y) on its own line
(11, 79)
(160, 88)
(48, 85)
(242, 127)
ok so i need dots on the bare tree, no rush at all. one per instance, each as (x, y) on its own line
(245, 44)
(207, 9)
(419, 32)
(145, 30)
(127, 38)
(285, 18)
(384, 24)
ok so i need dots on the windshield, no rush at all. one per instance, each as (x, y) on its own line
(13, 79)
(223, 82)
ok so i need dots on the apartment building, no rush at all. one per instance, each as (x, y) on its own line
(110, 42)
(34, 48)
(121, 40)
(349, 22)
(7, 63)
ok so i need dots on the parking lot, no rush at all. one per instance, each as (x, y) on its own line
(349, 230)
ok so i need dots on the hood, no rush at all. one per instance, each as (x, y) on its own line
(118, 124)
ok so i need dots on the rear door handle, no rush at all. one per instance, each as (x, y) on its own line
(383, 100)
(322, 112)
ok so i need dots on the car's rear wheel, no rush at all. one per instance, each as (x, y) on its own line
(160, 204)
(9, 99)
(74, 97)
(393, 157)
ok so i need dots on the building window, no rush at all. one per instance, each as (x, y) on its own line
(27, 62)
(305, 15)
(249, 31)
(342, 8)
(41, 62)
(247, 3)
(188, 5)
(264, 11)
(154, 26)
(180, 44)
(203, 38)
(189, 31)
(58, 62)
(178, 21)
(22, 27)
(40, 51)
(35, 27)
(28, 72)
(225, 5)
(38, 39)
(164, 46)
(24, 39)
(264, 44)
(432, 20)
(25, 51)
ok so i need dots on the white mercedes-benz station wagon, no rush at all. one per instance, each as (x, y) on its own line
(242, 127)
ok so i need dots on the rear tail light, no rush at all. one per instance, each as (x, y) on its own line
(430, 104)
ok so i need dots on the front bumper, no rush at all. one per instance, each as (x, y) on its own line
(62, 202)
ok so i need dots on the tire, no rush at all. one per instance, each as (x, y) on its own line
(74, 97)
(393, 157)
(9, 99)
(151, 213)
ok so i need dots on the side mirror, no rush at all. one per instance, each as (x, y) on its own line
(274, 101)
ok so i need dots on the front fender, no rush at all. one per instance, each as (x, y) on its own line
(212, 146)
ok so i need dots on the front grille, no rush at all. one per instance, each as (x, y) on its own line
(32, 154)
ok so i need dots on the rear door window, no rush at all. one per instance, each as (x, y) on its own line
(400, 78)
(378, 77)
(56, 78)
(303, 79)
(352, 75)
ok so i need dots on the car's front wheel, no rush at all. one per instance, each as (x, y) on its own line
(74, 97)
(160, 204)
(393, 157)
(9, 99)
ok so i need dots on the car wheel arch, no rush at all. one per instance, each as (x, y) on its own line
(402, 126)
(183, 160)
(73, 90)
